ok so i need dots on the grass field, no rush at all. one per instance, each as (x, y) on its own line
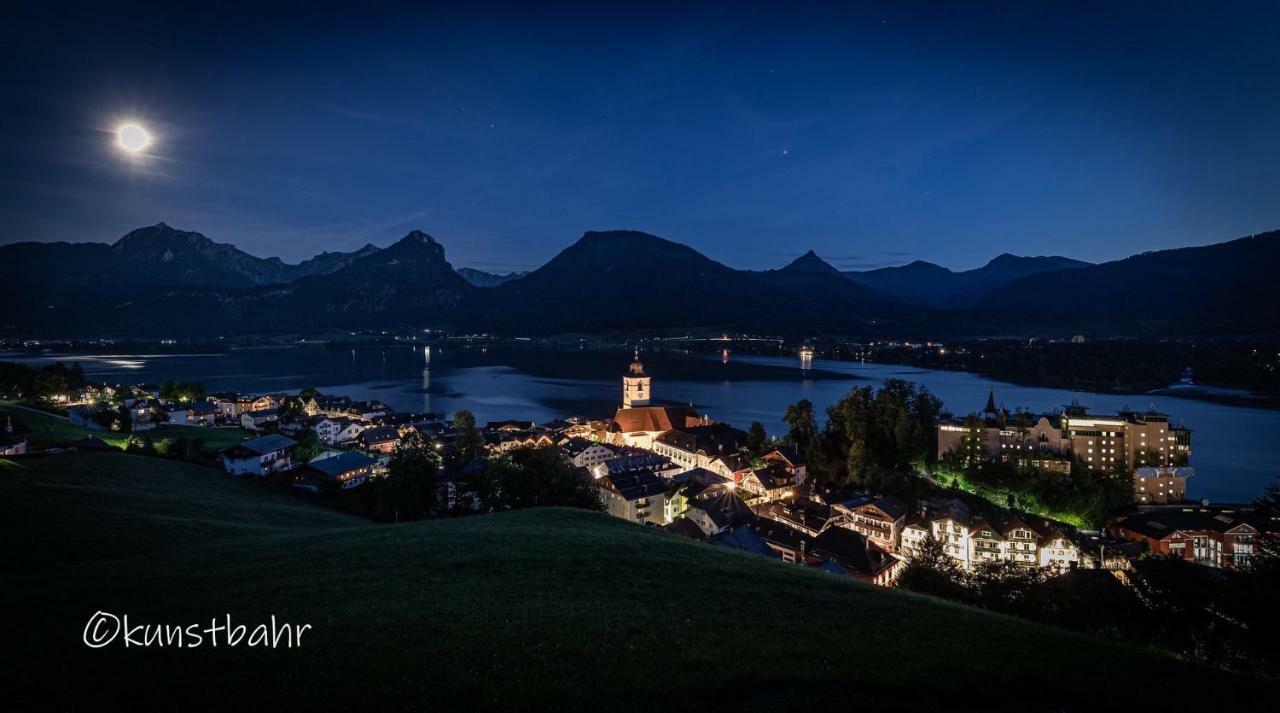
(531, 609)
(48, 429)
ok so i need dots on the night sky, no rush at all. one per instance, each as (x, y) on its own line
(876, 134)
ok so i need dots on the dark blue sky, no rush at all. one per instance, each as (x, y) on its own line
(874, 134)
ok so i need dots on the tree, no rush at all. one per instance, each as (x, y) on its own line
(930, 570)
(182, 391)
(539, 477)
(757, 439)
(309, 446)
(468, 443)
(57, 380)
(877, 439)
(188, 449)
(157, 414)
(292, 408)
(1008, 587)
(114, 419)
(1174, 589)
(801, 427)
(142, 444)
(409, 491)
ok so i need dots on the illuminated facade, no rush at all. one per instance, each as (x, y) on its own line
(635, 385)
(1129, 439)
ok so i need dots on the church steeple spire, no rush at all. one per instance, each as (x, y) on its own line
(637, 369)
(991, 403)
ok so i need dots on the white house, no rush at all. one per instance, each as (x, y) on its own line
(259, 456)
(587, 454)
(952, 530)
(913, 536)
(195, 413)
(335, 430)
(257, 420)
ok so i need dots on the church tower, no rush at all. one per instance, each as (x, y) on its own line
(635, 385)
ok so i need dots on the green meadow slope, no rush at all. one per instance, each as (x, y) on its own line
(535, 608)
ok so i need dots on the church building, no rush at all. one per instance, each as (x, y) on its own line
(637, 423)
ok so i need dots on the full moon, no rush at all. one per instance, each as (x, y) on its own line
(132, 138)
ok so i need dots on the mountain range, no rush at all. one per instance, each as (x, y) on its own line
(925, 283)
(624, 280)
(160, 281)
(480, 278)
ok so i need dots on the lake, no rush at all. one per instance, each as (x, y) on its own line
(1233, 447)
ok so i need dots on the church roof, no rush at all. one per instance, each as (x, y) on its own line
(653, 418)
(711, 439)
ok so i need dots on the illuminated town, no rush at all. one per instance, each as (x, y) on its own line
(569, 356)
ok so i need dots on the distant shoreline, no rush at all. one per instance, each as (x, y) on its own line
(738, 347)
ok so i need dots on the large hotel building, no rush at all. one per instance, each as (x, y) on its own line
(1142, 442)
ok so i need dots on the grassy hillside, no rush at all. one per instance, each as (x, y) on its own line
(522, 609)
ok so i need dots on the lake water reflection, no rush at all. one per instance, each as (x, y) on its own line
(1233, 448)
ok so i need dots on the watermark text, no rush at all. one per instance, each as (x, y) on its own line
(104, 629)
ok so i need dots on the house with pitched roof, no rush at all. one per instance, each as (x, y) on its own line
(717, 509)
(259, 419)
(192, 413)
(812, 517)
(683, 487)
(773, 481)
(880, 520)
(788, 543)
(914, 533)
(1224, 537)
(635, 496)
(846, 552)
(949, 523)
(789, 458)
(585, 453)
(1057, 549)
(259, 456)
(986, 542)
(743, 539)
(639, 460)
(379, 439)
(349, 469)
(327, 405)
(699, 445)
(337, 430)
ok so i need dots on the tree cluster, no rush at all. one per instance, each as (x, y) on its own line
(182, 391)
(1083, 497)
(872, 438)
(19, 381)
